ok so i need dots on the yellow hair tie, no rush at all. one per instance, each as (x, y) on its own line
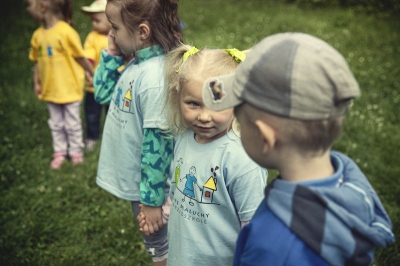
(192, 51)
(239, 56)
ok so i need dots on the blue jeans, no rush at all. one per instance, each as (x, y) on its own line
(93, 115)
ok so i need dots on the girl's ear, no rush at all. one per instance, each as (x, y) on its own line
(144, 32)
(267, 134)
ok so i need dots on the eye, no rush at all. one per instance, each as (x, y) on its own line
(114, 27)
(193, 104)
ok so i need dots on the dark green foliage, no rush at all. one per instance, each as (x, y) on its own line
(369, 6)
(63, 218)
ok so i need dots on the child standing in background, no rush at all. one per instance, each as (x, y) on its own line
(59, 75)
(135, 156)
(95, 42)
(290, 96)
(216, 187)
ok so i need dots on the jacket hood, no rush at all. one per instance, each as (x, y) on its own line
(340, 217)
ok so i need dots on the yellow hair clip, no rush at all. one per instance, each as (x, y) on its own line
(239, 56)
(186, 55)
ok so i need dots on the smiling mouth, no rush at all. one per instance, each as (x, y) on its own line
(204, 128)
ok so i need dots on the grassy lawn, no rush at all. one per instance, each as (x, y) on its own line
(62, 217)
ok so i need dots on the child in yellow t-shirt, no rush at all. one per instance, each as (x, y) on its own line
(59, 76)
(95, 42)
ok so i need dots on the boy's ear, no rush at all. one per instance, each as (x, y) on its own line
(144, 31)
(267, 134)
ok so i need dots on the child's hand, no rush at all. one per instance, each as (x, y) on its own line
(89, 79)
(38, 89)
(142, 222)
(153, 218)
(113, 48)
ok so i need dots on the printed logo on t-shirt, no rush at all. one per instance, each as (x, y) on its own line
(123, 98)
(187, 184)
(189, 195)
(49, 51)
(122, 102)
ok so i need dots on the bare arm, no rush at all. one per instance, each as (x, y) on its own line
(36, 80)
(86, 65)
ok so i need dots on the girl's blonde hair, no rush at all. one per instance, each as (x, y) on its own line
(200, 66)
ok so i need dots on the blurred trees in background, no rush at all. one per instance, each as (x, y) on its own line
(369, 6)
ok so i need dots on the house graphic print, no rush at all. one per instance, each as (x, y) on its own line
(123, 98)
(127, 101)
(208, 190)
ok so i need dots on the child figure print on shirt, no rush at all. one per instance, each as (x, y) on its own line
(124, 101)
(189, 187)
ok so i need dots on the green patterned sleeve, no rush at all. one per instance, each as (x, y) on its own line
(106, 77)
(156, 159)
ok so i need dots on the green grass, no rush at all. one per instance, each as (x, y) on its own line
(62, 217)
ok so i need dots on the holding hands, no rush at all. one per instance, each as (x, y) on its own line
(149, 219)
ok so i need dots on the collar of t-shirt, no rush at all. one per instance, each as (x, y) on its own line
(148, 53)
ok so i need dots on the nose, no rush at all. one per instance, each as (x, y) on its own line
(111, 33)
(204, 115)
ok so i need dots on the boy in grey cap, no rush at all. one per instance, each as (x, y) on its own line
(290, 97)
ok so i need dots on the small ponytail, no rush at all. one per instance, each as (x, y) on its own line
(172, 22)
(172, 80)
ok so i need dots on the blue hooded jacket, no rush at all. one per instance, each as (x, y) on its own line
(338, 220)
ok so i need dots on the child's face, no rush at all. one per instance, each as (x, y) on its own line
(192, 171)
(127, 42)
(33, 9)
(100, 22)
(208, 125)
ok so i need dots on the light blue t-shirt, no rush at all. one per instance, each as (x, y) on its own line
(214, 187)
(136, 103)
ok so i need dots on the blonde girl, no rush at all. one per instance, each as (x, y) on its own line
(57, 52)
(211, 194)
(135, 155)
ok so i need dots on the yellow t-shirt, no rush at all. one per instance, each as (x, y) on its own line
(55, 50)
(94, 44)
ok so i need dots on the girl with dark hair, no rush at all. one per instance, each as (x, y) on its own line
(135, 155)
